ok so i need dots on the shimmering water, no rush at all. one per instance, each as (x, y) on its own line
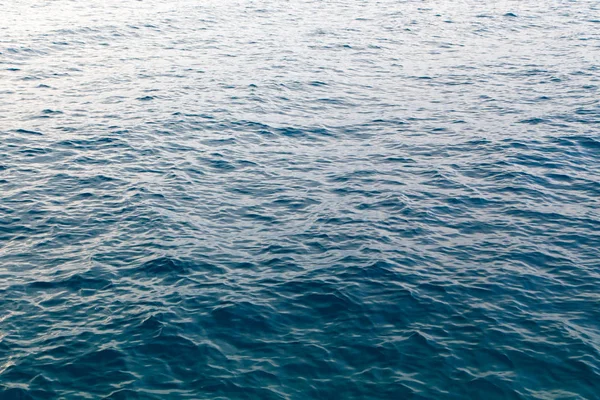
(271, 199)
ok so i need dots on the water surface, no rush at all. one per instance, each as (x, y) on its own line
(300, 200)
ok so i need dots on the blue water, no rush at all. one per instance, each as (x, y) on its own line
(270, 199)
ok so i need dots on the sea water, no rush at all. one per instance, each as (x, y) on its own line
(269, 199)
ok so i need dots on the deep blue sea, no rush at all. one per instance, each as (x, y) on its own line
(321, 199)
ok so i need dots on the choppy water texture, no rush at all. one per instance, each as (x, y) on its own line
(300, 200)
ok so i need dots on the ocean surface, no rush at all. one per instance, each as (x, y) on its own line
(270, 199)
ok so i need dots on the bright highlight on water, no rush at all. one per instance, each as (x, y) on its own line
(269, 199)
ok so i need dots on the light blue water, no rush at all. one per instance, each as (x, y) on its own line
(270, 199)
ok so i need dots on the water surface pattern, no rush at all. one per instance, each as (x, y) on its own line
(334, 199)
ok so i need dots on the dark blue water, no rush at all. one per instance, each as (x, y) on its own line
(270, 199)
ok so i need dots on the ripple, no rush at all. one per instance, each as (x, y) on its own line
(215, 200)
